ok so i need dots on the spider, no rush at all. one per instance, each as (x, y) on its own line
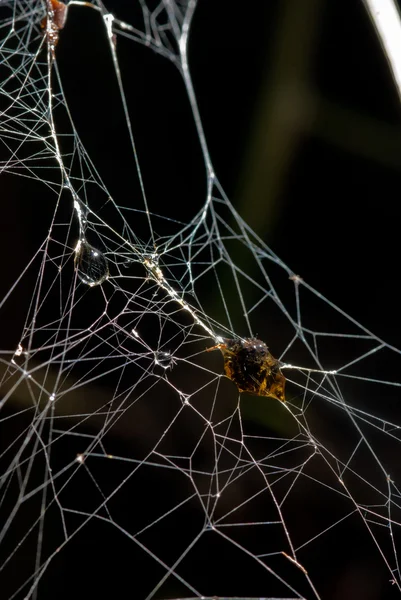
(57, 15)
(249, 364)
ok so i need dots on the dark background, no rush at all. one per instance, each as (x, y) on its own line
(302, 123)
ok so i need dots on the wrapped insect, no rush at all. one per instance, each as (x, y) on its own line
(250, 365)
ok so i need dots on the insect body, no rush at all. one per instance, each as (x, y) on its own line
(250, 365)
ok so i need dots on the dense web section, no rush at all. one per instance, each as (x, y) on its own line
(127, 455)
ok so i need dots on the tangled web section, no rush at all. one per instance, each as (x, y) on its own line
(175, 418)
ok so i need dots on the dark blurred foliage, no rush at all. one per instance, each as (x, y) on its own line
(303, 127)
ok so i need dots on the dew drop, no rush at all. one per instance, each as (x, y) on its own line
(164, 360)
(91, 264)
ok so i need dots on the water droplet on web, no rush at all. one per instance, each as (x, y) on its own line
(91, 264)
(164, 360)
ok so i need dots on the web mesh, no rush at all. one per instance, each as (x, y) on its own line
(128, 457)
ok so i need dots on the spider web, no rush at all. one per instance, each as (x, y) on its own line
(128, 460)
